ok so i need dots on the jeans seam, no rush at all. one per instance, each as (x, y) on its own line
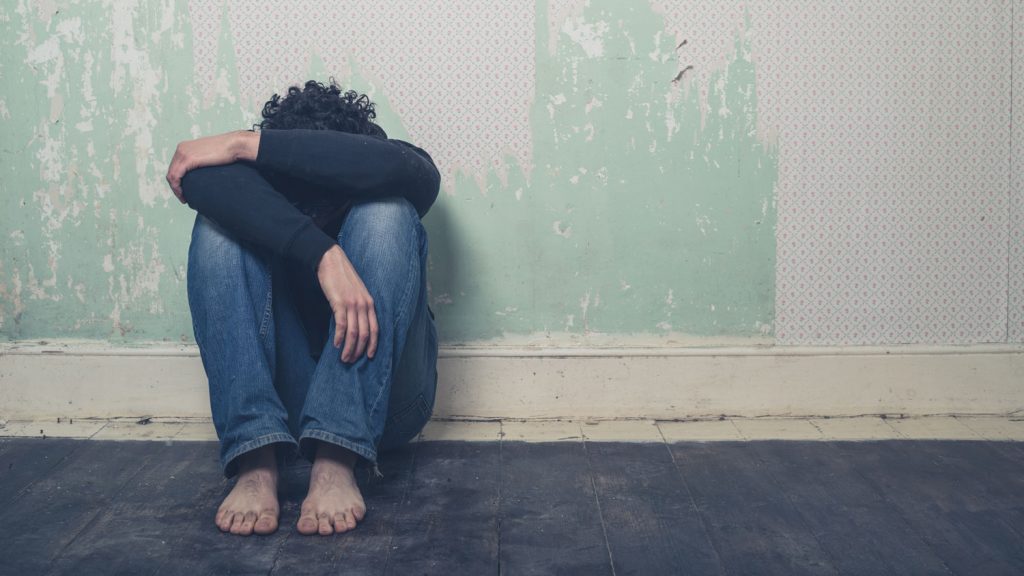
(268, 308)
(258, 442)
(417, 234)
(323, 435)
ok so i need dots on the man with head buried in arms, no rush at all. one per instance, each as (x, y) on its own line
(307, 288)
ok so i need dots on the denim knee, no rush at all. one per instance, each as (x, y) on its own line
(211, 246)
(378, 220)
(218, 266)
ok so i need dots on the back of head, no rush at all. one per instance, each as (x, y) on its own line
(320, 107)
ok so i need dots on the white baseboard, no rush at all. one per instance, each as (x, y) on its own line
(79, 380)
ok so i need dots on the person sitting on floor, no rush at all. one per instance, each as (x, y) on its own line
(308, 239)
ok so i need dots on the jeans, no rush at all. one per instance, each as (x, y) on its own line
(266, 387)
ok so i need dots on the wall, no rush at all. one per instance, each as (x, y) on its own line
(824, 174)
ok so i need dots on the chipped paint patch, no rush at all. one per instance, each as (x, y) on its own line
(564, 233)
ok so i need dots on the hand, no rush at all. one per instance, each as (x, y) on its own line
(209, 151)
(355, 319)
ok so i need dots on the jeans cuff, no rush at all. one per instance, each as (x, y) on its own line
(309, 450)
(228, 462)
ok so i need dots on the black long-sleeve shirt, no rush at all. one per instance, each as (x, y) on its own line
(294, 198)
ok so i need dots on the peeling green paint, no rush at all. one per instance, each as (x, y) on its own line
(633, 219)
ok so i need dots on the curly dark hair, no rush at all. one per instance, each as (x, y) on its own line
(320, 107)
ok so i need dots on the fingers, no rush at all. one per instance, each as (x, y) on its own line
(374, 330)
(175, 172)
(340, 324)
(351, 335)
(356, 327)
(364, 331)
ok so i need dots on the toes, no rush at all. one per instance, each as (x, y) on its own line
(307, 524)
(350, 519)
(248, 521)
(325, 524)
(266, 524)
(339, 522)
(236, 524)
(359, 512)
(224, 520)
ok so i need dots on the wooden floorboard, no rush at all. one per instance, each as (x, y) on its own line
(753, 526)
(1000, 489)
(958, 524)
(24, 461)
(550, 521)
(448, 521)
(652, 523)
(138, 518)
(54, 510)
(861, 532)
(88, 507)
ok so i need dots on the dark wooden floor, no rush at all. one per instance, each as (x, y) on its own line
(88, 507)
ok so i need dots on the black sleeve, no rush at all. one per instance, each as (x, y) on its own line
(240, 199)
(352, 166)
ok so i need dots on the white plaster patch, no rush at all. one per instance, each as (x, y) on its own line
(585, 306)
(587, 35)
(558, 12)
(134, 71)
(703, 221)
(48, 50)
(589, 129)
(51, 158)
(70, 29)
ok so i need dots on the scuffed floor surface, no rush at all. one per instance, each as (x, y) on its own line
(104, 507)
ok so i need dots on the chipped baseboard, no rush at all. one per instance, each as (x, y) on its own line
(73, 379)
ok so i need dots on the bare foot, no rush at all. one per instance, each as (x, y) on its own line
(334, 503)
(252, 504)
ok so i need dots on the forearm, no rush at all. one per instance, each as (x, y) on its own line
(237, 197)
(349, 166)
(246, 145)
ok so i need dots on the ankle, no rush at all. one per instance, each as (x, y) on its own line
(260, 460)
(327, 453)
